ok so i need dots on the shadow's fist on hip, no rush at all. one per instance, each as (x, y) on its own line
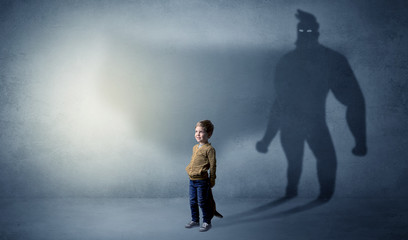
(360, 150)
(261, 147)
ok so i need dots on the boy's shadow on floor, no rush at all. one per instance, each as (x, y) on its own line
(246, 217)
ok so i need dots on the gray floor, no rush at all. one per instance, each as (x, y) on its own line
(111, 218)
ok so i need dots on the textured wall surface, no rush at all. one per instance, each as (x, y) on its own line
(100, 98)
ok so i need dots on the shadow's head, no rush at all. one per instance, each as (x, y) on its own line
(307, 30)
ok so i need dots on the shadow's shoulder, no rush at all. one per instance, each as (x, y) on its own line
(287, 57)
(291, 53)
(333, 54)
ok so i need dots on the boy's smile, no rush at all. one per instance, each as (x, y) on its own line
(201, 135)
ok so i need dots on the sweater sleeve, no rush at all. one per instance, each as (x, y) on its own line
(213, 166)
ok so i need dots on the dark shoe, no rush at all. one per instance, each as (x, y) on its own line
(192, 224)
(205, 227)
(218, 215)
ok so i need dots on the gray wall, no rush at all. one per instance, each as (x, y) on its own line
(100, 98)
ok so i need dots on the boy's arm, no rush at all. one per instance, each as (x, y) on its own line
(213, 166)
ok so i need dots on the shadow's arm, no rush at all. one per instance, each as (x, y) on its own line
(347, 90)
(271, 129)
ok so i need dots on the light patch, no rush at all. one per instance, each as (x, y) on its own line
(88, 119)
(75, 115)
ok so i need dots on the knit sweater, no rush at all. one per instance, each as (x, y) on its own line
(202, 160)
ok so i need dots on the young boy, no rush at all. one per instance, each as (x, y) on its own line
(202, 160)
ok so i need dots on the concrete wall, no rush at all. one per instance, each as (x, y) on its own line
(100, 98)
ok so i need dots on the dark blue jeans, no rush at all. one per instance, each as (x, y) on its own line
(199, 196)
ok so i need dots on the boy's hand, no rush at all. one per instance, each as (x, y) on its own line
(212, 183)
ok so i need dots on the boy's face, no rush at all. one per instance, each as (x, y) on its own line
(201, 135)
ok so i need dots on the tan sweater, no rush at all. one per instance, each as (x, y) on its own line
(202, 160)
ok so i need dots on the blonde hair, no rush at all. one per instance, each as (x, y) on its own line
(207, 125)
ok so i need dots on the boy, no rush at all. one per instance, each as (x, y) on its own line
(202, 160)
